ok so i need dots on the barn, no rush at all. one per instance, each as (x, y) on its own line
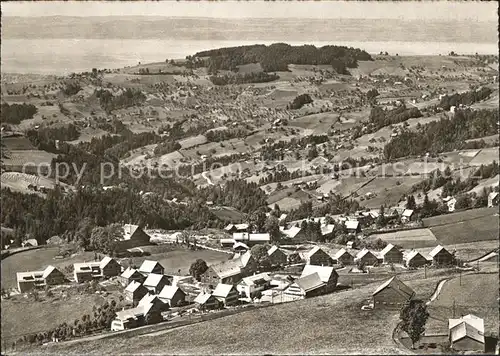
(441, 256)
(467, 333)
(392, 294)
(391, 254)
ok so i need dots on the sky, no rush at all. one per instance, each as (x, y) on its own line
(411, 10)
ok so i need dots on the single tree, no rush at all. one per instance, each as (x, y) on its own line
(198, 268)
(413, 317)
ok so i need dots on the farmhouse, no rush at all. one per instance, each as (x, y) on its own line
(149, 266)
(392, 294)
(206, 301)
(86, 271)
(293, 232)
(343, 257)
(133, 236)
(27, 281)
(352, 226)
(135, 291)
(366, 257)
(441, 256)
(306, 287)
(129, 275)
(226, 294)
(252, 284)
(391, 254)
(493, 199)
(155, 282)
(153, 299)
(225, 272)
(328, 275)
(172, 295)
(236, 228)
(147, 312)
(466, 333)
(318, 257)
(109, 267)
(276, 256)
(407, 216)
(415, 259)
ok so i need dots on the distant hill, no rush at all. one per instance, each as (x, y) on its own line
(308, 30)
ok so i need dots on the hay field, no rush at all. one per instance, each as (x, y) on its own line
(409, 239)
(485, 156)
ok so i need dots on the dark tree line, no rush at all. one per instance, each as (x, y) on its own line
(444, 135)
(15, 113)
(128, 98)
(278, 56)
(223, 135)
(467, 98)
(299, 101)
(380, 118)
(260, 77)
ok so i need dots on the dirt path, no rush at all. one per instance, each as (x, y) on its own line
(209, 181)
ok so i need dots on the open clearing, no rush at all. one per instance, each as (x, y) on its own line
(409, 239)
(18, 158)
(486, 156)
(387, 190)
(467, 301)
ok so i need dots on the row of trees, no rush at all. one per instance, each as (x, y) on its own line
(444, 135)
(254, 77)
(467, 98)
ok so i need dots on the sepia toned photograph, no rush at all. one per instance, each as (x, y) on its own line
(249, 178)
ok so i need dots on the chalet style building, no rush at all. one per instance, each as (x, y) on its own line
(135, 291)
(415, 259)
(226, 294)
(467, 334)
(27, 281)
(154, 283)
(318, 257)
(174, 296)
(276, 256)
(392, 294)
(367, 257)
(314, 281)
(130, 275)
(343, 257)
(391, 254)
(149, 266)
(133, 236)
(441, 256)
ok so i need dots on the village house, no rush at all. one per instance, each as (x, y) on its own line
(252, 284)
(226, 294)
(149, 266)
(276, 256)
(27, 281)
(415, 259)
(467, 333)
(441, 256)
(133, 236)
(318, 257)
(294, 232)
(407, 216)
(343, 257)
(366, 257)
(110, 267)
(231, 228)
(392, 294)
(493, 199)
(314, 280)
(30, 243)
(391, 254)
(129, 275)
(206, 301)
(352, 226)
(154, 283)
(147, 312)
(225, 272)
(153, 299)
(174, 296)
(251, 239)
(86, 271)
(135, 291)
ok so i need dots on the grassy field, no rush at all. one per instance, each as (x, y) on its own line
(466, 251)
(467, 301)
(459, 216)
(409, 239)
(22, 316)
(388, 190)
(485, 156)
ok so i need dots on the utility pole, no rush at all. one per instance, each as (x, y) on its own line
(425, 271)
(453, 308)
(460, 277)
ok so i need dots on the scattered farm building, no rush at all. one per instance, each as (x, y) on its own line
(252, 284)
(147, 312)
(133, 236)
(172, 295)
(293, 232)
(87, 271)
(226, 294)
(415, 259)
(441, 256)
(407, 216)
(135, 291)
(367, 257)
(392, 294)
(352, 226)
(391, 254)
(467, 333)
(206, 301)
(343, 257)
(155, 282)
(231, 228)
(27, 281)
(314, 281)
(276, 256)
(318, 257)
(129, 275)
(149, 266)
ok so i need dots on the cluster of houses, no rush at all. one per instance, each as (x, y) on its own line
(27, 281)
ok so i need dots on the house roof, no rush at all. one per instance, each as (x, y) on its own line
(236, 226)
(245, 258)
(47, 271)
(363, 253)
(341, 252)
(240, 245)
(85, 266)
(168, 292)
(265, 237)
(351, 224)
(291, 232)
(257, 279)
(310, 282)
(327, 229)
(465, 328)
(105, 261)
(129, 272)
(274, 249)
(313, 251)
(149, 299)
(324, 272)
(227, 268)
(227, 241)
(148, 266)
(386, 249)
(436, 250)
(202, 298)
(32, 242)
(129, 230)
(492, 195)
(130, 313)
(412, 254)
(154, 279)
(407, 213)
(398, 286)
(222, 290)
(471, 319)
(133, 286)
